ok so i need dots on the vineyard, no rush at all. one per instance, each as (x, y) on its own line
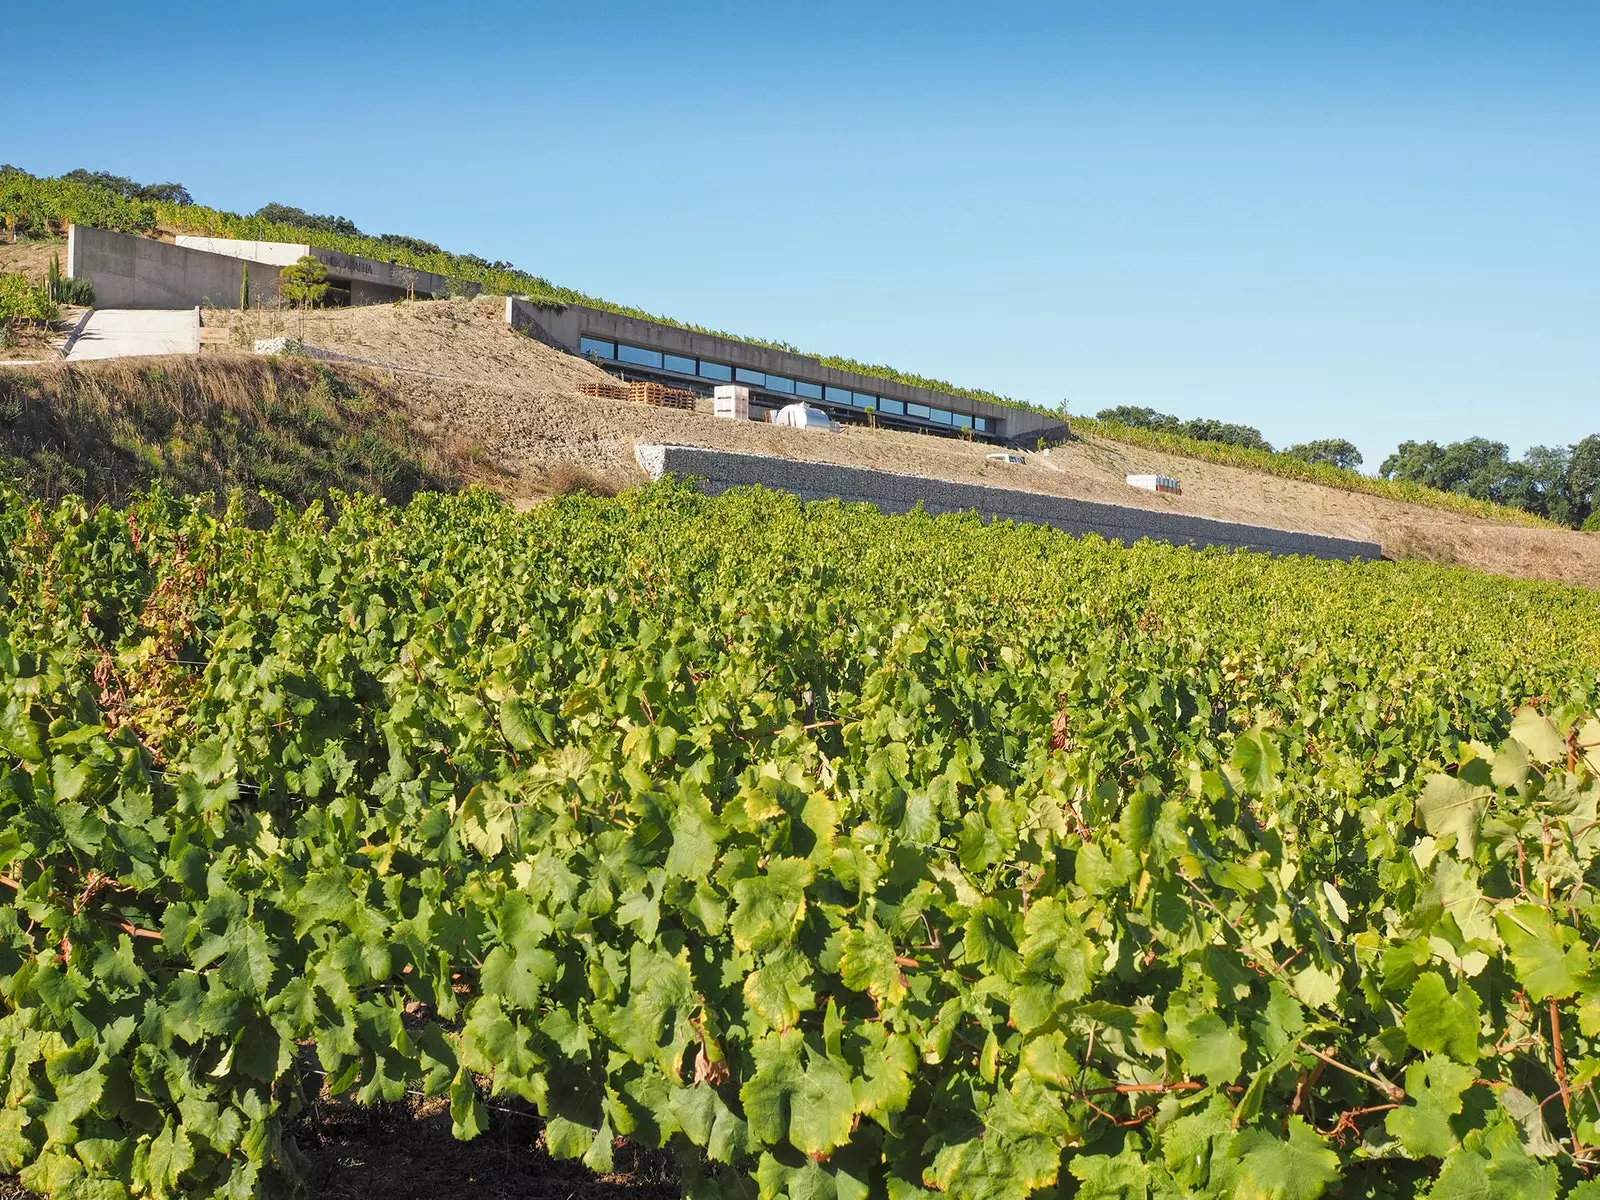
(845, 855)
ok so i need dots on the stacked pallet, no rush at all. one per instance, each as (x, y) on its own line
(661, 395)
(658, 394)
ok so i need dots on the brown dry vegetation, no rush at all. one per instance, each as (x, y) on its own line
(289, 427)
(489, 385)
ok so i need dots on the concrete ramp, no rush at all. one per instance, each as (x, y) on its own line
(891, 492)
(131, 332)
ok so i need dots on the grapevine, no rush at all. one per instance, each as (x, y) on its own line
(845, 855)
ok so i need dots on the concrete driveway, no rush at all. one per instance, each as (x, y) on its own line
(124, 332)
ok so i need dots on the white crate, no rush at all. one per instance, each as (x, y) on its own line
(731, 402)
(1155, 483)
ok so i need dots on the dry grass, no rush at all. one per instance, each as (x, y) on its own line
(294, 428)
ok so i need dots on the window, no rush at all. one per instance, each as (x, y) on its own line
(678, 363)
(740, 375)
(837, 395)
(711, 370)
(981, 424)
(963, 421)
(594, 346)
(939, 415)
(637, 356)
(777, 383)
(862, 400)
(918, 410)
(891, 406)
(811, 391)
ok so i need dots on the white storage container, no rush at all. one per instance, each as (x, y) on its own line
(802, 416)
(1154, 483)
(731, 402)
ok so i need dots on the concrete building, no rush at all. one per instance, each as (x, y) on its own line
(641, 349)
(129, 271)
(351, 278)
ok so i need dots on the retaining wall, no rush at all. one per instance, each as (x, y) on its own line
(894, 493)
(129, 271)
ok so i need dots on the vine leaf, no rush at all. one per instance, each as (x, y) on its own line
(1271, 1168)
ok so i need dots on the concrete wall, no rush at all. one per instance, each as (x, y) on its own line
(564, 325)
(371, 281)
(893, 493)
(279, 254)
(129, 271)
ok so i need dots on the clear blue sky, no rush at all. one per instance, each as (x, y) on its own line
(1374, 220)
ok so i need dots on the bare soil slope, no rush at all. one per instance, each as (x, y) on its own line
(31, 258)
(470, 378)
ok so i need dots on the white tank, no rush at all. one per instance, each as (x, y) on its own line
(802, 416)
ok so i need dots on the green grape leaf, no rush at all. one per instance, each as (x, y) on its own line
(1451, 807)
(1211, 1049)
(810, 1104)
(768, 907)
(867, 964)
(1548, 958)
(1299, 1167)
(1433, 1094)
(1538, 735)
(1438, 1022)
(779, 990)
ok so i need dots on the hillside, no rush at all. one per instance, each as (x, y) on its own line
(471, 378)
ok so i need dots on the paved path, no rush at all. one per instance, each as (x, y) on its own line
(121, 332)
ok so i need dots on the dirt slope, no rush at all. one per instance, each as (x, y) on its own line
(470, 378)
(31, 258)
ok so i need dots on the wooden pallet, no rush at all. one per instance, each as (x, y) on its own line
(658, 394)
(661, 395)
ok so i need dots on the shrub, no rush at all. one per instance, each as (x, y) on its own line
(66, 290)
(304, 282)
(24, 304)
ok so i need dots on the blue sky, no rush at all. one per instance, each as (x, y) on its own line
(1370, 220)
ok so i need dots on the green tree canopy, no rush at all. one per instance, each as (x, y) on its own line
(288, 214)
(1202, 429)
(1558, 482)
(1332, 452)
(304, 282)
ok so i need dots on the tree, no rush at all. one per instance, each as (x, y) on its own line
(288, 214)
(166, 193)
(1204, 429)
(1471, 467)
(1330, 452)
(304, 282)
(1559, 482)
(1583, 482)
(1140, 418)
(403, 242)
